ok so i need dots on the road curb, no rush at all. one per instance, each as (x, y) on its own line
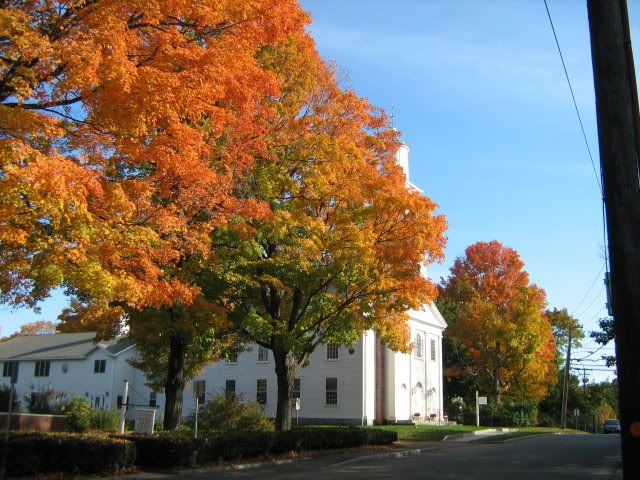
(383, 456)
(507, 440)
(477, 433)
(152, 474)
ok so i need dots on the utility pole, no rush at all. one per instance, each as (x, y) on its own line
(565, 386)
(619, 140)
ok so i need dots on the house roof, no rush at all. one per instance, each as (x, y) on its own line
(58, 346)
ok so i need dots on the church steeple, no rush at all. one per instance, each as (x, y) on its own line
(402, 157)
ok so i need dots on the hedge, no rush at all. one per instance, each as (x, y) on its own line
(167, 450)
(164, 450)
(508, 414)
(36, 453)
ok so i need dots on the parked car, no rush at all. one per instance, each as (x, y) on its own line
(612, 425)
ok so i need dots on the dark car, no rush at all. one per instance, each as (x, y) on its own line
(611, 426)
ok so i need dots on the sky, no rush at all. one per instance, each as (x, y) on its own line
(478, 91)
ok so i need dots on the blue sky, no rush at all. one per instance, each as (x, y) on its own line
(480, 96)
(479, 93)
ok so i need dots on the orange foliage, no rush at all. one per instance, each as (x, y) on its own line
(39, 327)
(501, 321)
(123, 128)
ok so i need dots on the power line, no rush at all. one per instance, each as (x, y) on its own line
(584, 136)
(590, 288)
(575, 104)
(597, 297)
(592, 353)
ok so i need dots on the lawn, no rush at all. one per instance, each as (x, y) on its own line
(427, 433)
(435, 433)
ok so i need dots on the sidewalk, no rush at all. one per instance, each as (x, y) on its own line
(477, 435)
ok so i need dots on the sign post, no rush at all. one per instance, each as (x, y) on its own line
(198, 391)
(297, 410)
(479, 401)
(123, 407)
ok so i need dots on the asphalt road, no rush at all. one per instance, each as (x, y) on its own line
(542, 457)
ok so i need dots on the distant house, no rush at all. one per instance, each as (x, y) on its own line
(364, 383)
(70, 362)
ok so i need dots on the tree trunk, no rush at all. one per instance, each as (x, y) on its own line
(496, 387)
(174, 386)
(286, 369)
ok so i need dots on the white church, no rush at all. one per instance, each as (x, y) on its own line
(362, 384)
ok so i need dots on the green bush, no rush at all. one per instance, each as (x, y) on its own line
(508, 414)
(78, 412)
(165, 450)
(5, 392)
(44, 402)
(82, 417)
(104, 420)
(228, 413)
(177, 449)
(39, 453)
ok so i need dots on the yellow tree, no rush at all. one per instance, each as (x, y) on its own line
(342, 251)
(501, 322)
(123, 128)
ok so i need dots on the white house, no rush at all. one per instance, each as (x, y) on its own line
(71, 363)
(365, 383)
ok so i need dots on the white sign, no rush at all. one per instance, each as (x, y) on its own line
(482, 400)
(576, 412)
(145, 418)
(297, 404)
(198, 388)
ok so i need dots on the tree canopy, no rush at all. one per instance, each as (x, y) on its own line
(342, 251)
(501, 322)
(124, 126)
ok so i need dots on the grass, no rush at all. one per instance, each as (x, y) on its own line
(427, 433)
(435, 433)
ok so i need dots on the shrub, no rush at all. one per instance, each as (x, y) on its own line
(331, 438)
(78, 412)
(228, 413)
(508, 414)
(176, 449)
(104, 420)
(45, 401)
(38, 453)
(546, 420)
(82, 417)
(5, 391)
(164, 450)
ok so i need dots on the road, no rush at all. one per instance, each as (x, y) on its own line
(538, 457)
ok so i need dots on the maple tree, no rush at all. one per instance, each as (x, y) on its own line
(342, 251)
(124, 126)
(39, 327)
(501, 322)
